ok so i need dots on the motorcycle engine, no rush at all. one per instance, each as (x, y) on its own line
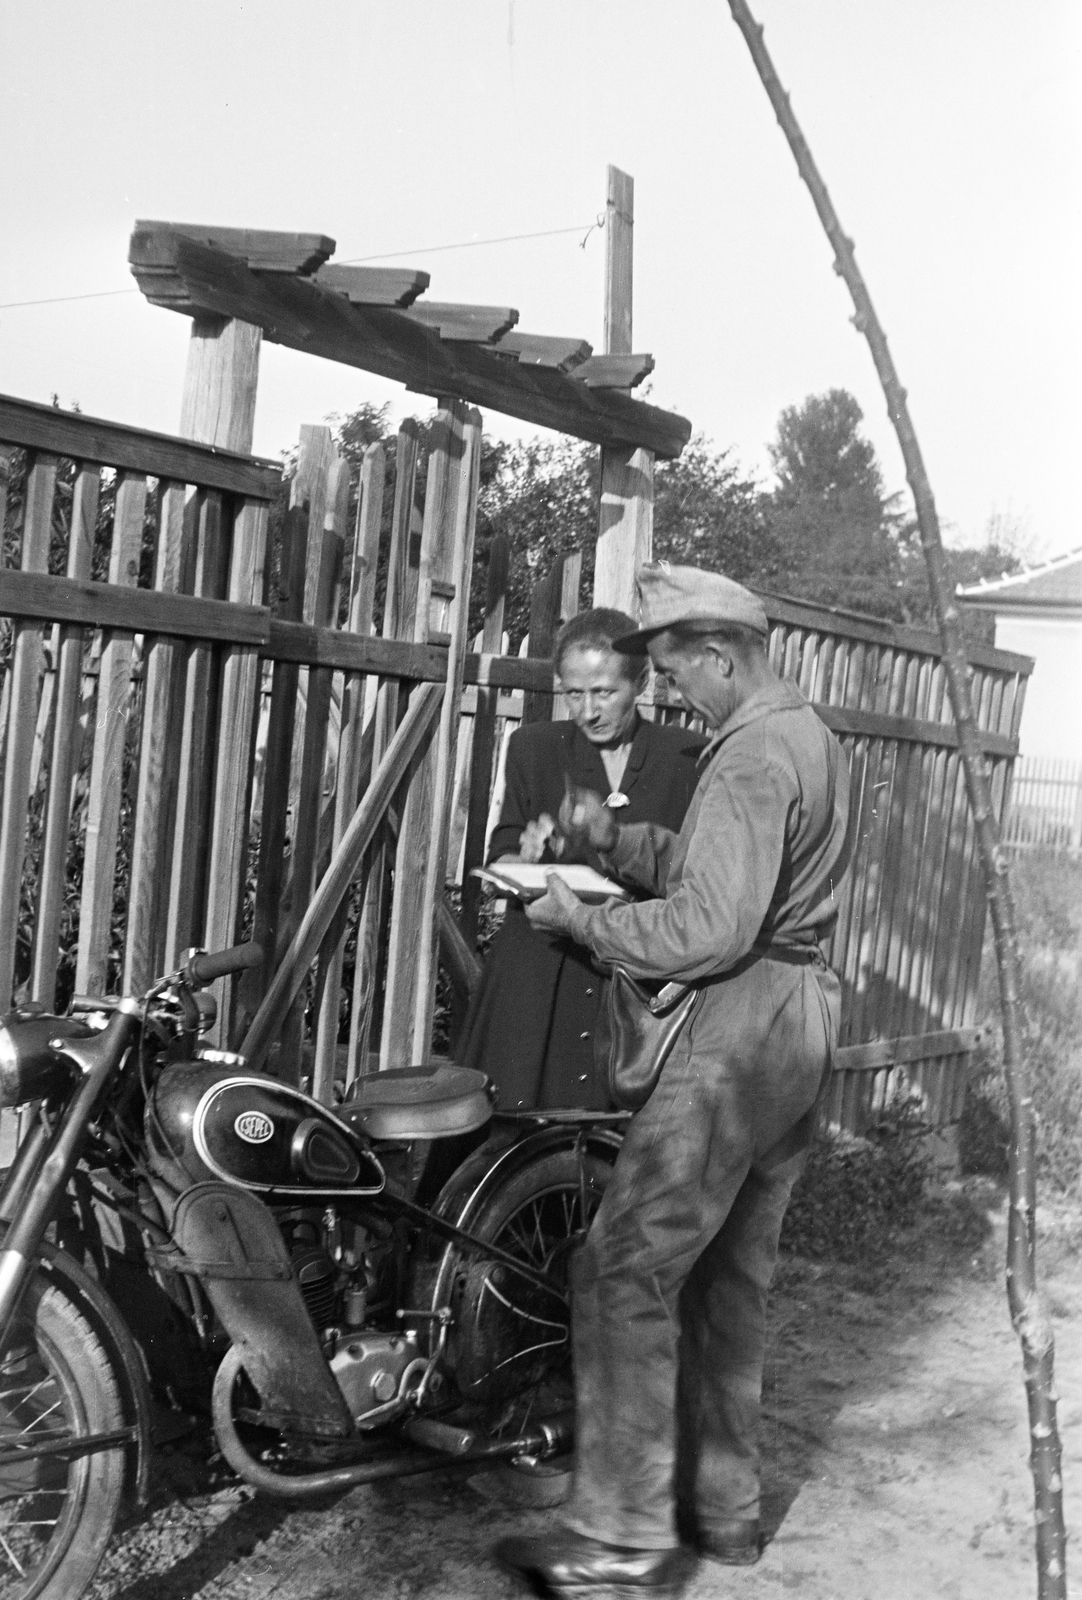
(339, 1265)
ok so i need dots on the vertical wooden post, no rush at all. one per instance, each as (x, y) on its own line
(218, 407)
(484, 738)
(625, 533)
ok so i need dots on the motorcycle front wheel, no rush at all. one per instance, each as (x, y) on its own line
(58, 1501)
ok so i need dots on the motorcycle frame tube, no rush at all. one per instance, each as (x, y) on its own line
(97, 1059)
(545, 1438)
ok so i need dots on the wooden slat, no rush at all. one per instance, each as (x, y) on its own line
(545, 350)
(334, 885)
(446, 554)
(613, 371)
(880, 1053)
(470, 324)
(165, 660)
(107, 761)
(88, 604)
(544, 623)
(195, 769)
(236, 731)
(261, 248)
(277, 759)
(113, 444)
(374, 286)
(68, 668)
(909, 729)
(296, 312)
(876, 630)
(23, 675)
(484, 739)
(362, 605)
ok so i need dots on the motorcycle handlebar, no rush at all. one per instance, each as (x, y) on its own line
(204, 966)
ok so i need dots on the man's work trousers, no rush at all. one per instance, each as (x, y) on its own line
(670, 1287)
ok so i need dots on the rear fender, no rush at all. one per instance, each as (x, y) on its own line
(467, 1192)
(233, 1244)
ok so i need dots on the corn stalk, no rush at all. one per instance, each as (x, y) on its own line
(1031, 1322)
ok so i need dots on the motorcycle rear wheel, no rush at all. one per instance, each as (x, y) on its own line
(56, 1513)
(509, 1336)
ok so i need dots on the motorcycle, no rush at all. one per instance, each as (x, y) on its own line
(368, 1290)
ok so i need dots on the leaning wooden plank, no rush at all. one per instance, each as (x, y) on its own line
(114, 444)
(446, 561)
(470, 324)
(233, 775)
(107, 760)
(399, 612)
(261, 249)
(546, 350)
(374, 286)
(614, 371)
(458, 524)
(23, 675)
(296, 312)
(366, 554)
(416, 724)
(159, 754)
(68, 667)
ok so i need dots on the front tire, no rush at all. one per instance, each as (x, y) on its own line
(57, 1513)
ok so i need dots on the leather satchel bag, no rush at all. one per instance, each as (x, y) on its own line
(635, 1034)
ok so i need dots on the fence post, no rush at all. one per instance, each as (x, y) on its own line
(625, 535)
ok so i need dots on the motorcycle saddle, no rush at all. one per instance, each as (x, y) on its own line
(423, 1102)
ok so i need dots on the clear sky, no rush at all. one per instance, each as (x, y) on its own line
(949, 133)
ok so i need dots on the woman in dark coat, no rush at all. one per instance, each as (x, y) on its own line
(532, 1018)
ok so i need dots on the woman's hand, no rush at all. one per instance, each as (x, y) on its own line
(535, 836)
(585, 820)
(555, 910)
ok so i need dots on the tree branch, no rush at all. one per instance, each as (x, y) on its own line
(1031, 1322)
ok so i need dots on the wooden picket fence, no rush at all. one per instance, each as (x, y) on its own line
(1044, 812)
(186, 763)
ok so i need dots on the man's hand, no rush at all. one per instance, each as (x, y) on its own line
(555, 909)
(584, 820)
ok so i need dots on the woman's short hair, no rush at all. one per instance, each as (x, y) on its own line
(595, 630)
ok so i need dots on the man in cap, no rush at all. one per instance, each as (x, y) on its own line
(670, 1287)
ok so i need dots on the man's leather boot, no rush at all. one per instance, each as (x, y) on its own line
(567, 1564)
(737, 1544)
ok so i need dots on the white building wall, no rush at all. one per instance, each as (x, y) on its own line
(1052, 717)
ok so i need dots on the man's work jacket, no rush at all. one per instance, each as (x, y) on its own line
(757, 862)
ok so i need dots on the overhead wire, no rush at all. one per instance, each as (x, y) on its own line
(586, 229)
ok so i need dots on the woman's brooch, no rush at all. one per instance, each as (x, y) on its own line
(617, 800)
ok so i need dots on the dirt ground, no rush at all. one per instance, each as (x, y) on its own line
(895, 1461)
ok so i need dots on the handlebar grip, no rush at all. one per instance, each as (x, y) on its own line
(204, 966)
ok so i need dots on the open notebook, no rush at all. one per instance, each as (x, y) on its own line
(526, 880)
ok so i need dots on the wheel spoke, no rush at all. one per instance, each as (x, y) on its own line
(12, 1557)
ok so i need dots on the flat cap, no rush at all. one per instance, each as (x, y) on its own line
(669, 594)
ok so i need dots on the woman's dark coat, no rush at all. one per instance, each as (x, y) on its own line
(532, 1017)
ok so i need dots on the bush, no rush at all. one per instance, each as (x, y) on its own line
(856, 1194)
(1048, 897)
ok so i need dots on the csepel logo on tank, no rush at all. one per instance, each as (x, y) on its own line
(253, 1127)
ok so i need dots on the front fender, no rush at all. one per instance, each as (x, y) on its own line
(124, 1356)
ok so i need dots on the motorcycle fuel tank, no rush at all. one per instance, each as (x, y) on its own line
(246, 1128)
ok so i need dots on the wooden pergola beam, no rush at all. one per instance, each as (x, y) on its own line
(183, 275)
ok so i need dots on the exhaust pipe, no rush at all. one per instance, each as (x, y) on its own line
(454, 1447)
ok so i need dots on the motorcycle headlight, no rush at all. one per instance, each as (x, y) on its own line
(30, 1068)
